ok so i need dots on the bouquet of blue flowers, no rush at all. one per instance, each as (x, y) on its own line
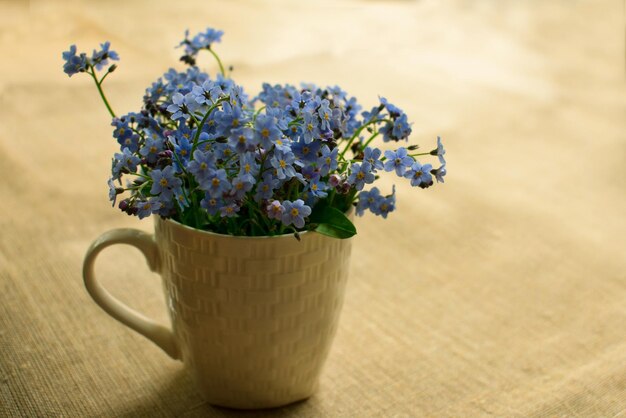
(202, 152)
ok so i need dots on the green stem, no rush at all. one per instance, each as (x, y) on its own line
(92, 73)
(219, 62)
(206, 116)
(358, 132)
(371, 138)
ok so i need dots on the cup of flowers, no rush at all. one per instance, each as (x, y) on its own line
(231, 179)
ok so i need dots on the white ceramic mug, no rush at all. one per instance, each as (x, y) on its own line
(253, 318)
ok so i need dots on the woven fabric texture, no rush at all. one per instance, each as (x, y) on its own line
(501, 293)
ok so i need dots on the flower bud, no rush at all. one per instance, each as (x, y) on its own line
(412, 147)
(123, 205)
(112, 68)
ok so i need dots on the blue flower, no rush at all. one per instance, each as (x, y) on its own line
(394, 111)
(242, 139)
(126, 162)
(306, 151)
(420, 175)
(217, 183)
(182, 149)
(201, 166)
(101, 58)
(147, 207)
(241, 186)
(317, 188)
(439, 173)
(310, 127)
(295, 212)
(113, 191)
(360, 174)
(152, 147)
(207, 93)
(387, 204)
(181, 199)
(401, 128)
(165, 183)
(202, 40)
(74, 63)
(182, 106)
(325, 114)
(229, 211)
(367, 200)
(372, 155)
(266, 131)
(211, 204)
(439, 151)
(231, 117)
(265, 189)
(376, 203)
(248, 165)
(398, 160)
(328, 161)
(282, 161)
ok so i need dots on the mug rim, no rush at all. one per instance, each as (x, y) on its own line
(188, 228)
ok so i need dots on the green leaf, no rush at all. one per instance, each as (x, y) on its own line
(332, 222)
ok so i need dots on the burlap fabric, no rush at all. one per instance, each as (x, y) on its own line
(501, 293)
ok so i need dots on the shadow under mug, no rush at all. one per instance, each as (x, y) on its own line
(253, 318)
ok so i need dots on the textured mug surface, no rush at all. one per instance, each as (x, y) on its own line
(253, 318)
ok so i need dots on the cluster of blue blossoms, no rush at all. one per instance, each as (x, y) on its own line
(203, 152)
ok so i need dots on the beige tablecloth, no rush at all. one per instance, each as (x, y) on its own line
(501, 293)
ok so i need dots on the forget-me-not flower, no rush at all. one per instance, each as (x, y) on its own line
(295, 212)
(398, 160)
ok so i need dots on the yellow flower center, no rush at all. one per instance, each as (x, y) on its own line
(203, 166)
(242, 139)
(163, 182)
(282, 164)
(265, 133)
(215, 182)
(235, 122)
(294, 211)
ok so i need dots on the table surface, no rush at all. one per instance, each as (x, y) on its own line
(500, 293)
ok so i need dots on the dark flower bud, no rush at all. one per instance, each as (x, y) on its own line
(413, 147)
(166, 154)
(119, 190)
(231, 68)
(297, 235)
(355, 147)
(124, 205)
(425, 185)
(112, 68)
(188, 59)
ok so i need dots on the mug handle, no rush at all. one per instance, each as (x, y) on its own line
(160, 335)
